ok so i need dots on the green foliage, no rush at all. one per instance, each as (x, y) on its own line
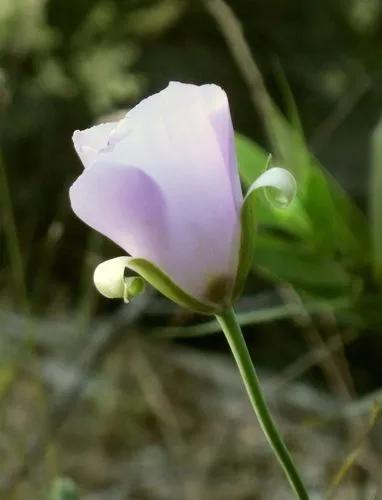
(298, 264)
(323, 212)
(296, 245)
(321, 241)
(375, 197)
(64, 489)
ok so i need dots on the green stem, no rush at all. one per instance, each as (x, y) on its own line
(232, 331)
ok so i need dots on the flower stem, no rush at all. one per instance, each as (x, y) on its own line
(232, 331)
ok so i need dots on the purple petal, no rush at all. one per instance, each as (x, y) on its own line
(125, 205)
(217, 102)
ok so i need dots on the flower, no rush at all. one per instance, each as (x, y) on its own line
(163, 184)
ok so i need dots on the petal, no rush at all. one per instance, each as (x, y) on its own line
(217, 103)
(89, 142)
(190, 128)
(125, 205)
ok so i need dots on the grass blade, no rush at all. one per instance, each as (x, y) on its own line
(375, 196)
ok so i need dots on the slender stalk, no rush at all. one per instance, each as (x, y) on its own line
(12, 239)
(232, 331)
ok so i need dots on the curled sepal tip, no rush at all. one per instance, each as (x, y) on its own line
(132, 286)
(279, 186)
(113, 281)
(280, 190)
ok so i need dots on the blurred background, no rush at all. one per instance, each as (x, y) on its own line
(104, 401)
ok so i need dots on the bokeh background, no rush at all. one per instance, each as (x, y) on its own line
(104, 401)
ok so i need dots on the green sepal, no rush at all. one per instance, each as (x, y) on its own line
(133, 286)
(164, 284)
(280, 187)
(113, 280)
(247, 246)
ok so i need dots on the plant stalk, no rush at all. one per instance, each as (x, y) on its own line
(234, 336)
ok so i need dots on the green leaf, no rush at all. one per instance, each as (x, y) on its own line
(375, 196)
(251, 158)
(322, 213)
(319, 220)
(289, 145)
(300, 265)
(339, 227)
(255, 317)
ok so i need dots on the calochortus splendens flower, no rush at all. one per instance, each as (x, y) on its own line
(163, 184)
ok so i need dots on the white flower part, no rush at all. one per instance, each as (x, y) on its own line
(282, 182)
(109, 277)
(90, 142)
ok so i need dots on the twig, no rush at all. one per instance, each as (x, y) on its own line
(336, 377)
(328, 363)
(252, 317)
(12, 240)
(344, 107)
(162, 408)
(362, 406)
(232, 31)
(308, 360)
(352, 457)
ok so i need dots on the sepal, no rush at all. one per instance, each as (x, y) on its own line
(112, 281)
(280, 189)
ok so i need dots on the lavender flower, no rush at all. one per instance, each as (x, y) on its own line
(163, 184)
